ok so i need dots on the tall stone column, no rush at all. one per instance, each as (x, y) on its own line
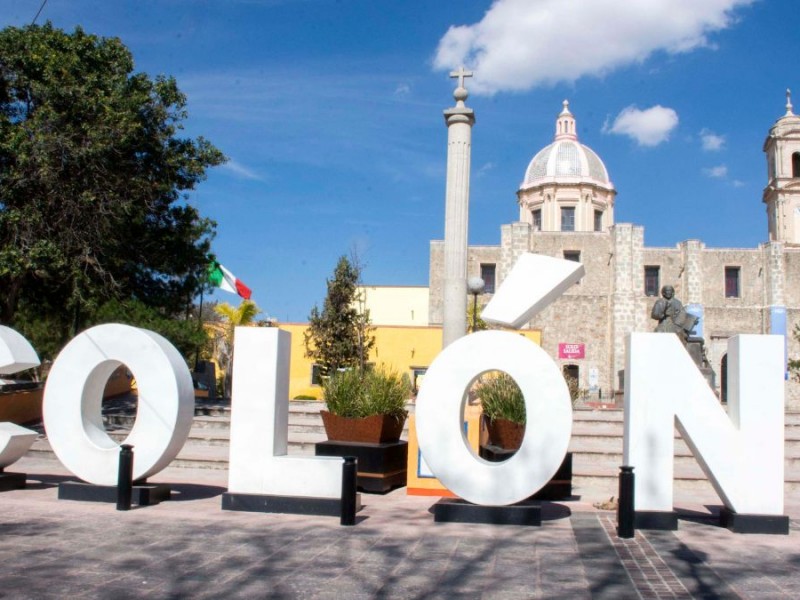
(459, 121)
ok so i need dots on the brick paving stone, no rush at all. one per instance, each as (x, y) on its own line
(191, 549)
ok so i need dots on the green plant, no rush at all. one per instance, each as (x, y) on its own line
(350, 393)
(94, 173)
(344, 391)
(233, 316)
(386, 392)
(340, 335)
(501, 398)
(575, 391)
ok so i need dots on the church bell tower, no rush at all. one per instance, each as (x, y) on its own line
(782, 194)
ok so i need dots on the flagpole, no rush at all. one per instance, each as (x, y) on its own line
(200, 325)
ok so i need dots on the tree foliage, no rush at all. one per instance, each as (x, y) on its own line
(794, 364)
(93, 176)
(475, 321)
(233, 317)
(340, 335)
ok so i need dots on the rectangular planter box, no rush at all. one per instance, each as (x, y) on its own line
(381, 467)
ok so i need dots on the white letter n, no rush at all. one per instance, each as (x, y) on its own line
(741, 452)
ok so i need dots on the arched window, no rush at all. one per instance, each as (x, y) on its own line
(796, 164)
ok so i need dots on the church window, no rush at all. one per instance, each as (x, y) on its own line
(598, 220)
(537, 219)
(796, 164)
(568, 218)
(488, 275)
(574, 256)
(732, 282)
(651, 280)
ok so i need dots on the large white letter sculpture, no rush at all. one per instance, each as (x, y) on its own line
(741, 453)
(74, 394)
(534, 282)
(260, 423)
(16, 354)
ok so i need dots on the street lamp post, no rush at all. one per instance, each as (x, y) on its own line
(475, 286)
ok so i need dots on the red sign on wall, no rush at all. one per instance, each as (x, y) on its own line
(571, 350)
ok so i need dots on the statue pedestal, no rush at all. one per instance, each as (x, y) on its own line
(695, 347)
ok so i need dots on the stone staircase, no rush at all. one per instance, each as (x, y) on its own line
(597, 453)
(209, 437)
(596, 444)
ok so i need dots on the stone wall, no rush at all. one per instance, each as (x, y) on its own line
(581, 316)
(610, 301)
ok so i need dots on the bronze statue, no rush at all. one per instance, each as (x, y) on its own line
(671, 315)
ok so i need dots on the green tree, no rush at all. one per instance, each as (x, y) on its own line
(186, 334)
(340, 335)
(794, 364)
(474, 320)
(233, 317)
(93, 177)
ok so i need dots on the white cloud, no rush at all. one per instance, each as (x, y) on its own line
(718, 172)
(711, 141)
(520, 44)
(402, 89)
(240, 171)
(485, 168)
(649, 127)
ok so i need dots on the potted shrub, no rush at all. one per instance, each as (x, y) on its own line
(504, 417)
(503, 410)
(368, 406)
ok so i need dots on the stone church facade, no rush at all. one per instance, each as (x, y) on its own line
(566, 204)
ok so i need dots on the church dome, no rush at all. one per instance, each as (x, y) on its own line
(566, 186)
(566, 159)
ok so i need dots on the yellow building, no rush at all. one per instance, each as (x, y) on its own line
(396, 305)
(405, 349)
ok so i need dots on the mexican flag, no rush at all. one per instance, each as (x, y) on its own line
(225, 280)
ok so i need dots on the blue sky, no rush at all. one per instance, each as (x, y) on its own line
(331, 115)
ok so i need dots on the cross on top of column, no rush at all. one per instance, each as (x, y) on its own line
(461, 74)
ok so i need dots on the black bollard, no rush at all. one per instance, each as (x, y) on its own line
(125, 477)
(349, 473)
(626, 511)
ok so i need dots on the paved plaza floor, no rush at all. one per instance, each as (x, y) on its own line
(189, 548)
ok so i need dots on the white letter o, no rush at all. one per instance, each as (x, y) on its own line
(439, 419)
(74, 394)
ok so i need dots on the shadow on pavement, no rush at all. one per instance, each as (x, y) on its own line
(183, 492)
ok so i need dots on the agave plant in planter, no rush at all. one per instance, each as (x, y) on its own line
(368, 406)
(503, 410)
(504, 415)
